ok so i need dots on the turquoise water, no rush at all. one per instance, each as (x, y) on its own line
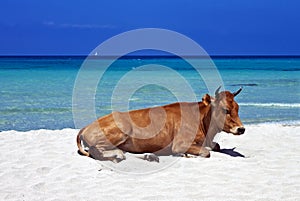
(36, 92)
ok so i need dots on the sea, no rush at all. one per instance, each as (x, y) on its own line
(41, 92)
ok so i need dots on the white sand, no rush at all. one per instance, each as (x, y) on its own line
(44, 165)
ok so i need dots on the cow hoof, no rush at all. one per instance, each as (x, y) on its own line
(190, 156)
(216, 147)
(204, 154)
(151, 158)
(116, 160)
(180, 155)
(115, 155)
(121, 156)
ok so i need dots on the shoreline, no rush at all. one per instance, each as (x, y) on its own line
(282, 123)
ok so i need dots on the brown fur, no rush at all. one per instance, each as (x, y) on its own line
(178, 128)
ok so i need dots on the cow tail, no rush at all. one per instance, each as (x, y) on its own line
(80, 148)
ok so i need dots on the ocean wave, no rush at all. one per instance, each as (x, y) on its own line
(15, 110)
(279, 105)
(285, 123)
(245, 84)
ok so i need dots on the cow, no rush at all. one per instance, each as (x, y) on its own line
(181, 128)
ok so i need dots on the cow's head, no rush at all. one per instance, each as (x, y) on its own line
(225, 112)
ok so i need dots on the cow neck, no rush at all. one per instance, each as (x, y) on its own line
(205, 117)
(210, 128)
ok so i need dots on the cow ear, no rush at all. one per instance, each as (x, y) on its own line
(213, 101)
(206, 99)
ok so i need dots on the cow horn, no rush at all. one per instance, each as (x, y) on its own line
(217, 91)
(237, 92)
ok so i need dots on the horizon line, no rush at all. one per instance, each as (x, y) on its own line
(155, 55)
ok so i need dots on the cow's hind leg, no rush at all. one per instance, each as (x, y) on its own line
(151, 157)
(106, 149)
(114, 155)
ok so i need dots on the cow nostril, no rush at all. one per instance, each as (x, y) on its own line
(241, 130)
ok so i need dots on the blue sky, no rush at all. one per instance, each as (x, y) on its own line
(221, 27)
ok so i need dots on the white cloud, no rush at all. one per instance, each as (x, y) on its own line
(78, 26)
(48, 23)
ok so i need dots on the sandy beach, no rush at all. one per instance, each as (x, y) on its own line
(45, 165)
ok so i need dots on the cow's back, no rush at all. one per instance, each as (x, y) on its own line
(154, 129)
(145, 130)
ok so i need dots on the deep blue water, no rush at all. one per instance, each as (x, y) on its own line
(36, 92)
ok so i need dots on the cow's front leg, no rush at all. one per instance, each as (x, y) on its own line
(212, 146)
(215, 146)
(198, 151)
(194, 149)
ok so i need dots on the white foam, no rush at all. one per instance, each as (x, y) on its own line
(281, 105)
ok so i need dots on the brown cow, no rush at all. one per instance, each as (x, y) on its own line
(178, 128)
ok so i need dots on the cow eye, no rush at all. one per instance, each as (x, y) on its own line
(226, 111)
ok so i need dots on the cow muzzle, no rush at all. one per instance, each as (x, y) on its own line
(238, 130)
